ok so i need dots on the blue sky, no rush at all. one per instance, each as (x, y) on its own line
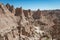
(34, 4)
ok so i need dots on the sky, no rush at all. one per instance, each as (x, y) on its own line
(34, 4)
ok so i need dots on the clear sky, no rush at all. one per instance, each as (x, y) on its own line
(34, 4)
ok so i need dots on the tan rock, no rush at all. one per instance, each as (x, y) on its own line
(28, 24)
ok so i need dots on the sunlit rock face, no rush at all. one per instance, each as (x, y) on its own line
(28, 24)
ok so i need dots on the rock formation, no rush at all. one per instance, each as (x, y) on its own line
(28, 24)
(10, 8)
(37, 14)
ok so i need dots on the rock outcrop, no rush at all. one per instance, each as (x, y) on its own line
(10, 8)
(28, 24)
(37, 14)
(7, 23)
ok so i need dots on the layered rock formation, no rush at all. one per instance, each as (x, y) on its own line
(28, 25)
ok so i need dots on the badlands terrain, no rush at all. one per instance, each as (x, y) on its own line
(20, 24)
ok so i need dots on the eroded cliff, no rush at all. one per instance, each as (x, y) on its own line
(19, 24)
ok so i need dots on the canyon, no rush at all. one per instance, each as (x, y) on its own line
(20, 24)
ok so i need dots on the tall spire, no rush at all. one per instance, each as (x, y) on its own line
(22, 14)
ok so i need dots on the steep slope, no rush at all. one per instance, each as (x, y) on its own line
(19, 24)
(7, 21)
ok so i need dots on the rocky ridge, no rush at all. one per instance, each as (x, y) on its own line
(20, 24)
